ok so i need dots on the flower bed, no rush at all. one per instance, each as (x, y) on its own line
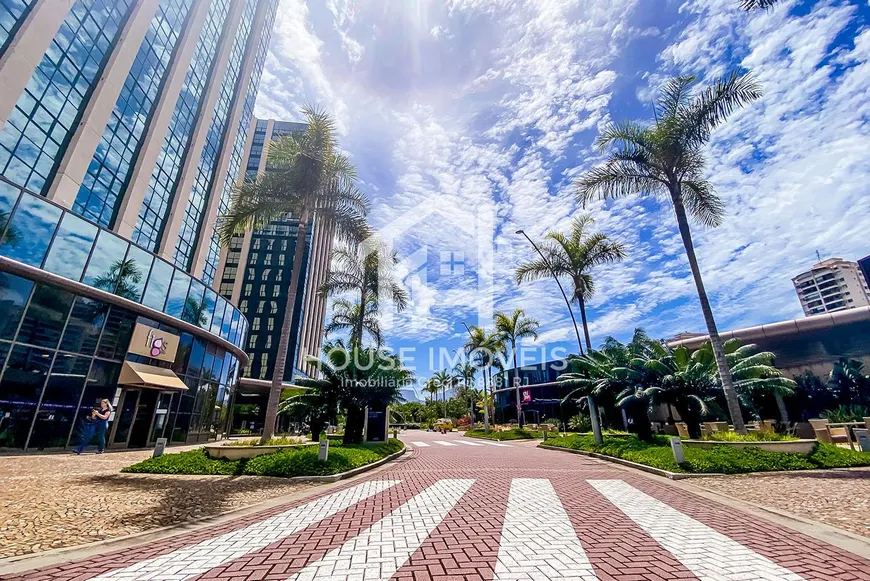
(719, 459)
(287, 463)
(513, 434)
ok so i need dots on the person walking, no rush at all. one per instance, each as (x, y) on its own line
(95, 423)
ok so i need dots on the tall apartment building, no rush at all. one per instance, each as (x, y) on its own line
(122, 128)
(832, 285)
(255, 274)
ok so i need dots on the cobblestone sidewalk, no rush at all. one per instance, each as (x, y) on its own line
(53, 501)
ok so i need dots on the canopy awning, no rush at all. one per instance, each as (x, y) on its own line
(141, 375)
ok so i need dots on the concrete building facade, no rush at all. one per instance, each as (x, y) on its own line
(122, 127)
(830, 286)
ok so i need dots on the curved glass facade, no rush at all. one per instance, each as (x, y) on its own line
(164, 178)
(35, 232)
(196, 203)
(61, 353)
(114, 156)
(33, 139)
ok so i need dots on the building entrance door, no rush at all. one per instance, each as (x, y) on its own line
(141, 429)
(134, 418)
(125, 415)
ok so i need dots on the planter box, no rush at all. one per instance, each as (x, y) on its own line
(786, 446)
(240, 452)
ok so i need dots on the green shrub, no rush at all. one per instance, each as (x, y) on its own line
(190, 462)
(845, 413)
(580, 423)
(290, 462)
(512, 434)
(756, 437)
(719, 459)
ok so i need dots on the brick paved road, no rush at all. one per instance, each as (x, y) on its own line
(453, 510)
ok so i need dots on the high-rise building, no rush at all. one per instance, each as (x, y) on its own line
(832, 285)
(255, 274)
(122, 126)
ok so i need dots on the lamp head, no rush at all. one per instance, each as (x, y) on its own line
(520, 232)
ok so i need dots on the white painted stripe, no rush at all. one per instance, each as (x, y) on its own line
(378, 552)
(444, 443)
(421, 444)
(469, 443)
(710, 555)
(197, 559)
(537, 538)
(496, 444)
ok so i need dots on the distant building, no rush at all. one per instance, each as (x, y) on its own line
(864, 265)
(830, 286)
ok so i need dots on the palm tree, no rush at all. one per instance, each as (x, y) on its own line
(368, 273)
(749, 5)
(466, 372)
(443, 380)
(307, 178)
(484, 348)
(348, 315)
(667, 158)
(574, 256)
(122, 279)
(513, 328)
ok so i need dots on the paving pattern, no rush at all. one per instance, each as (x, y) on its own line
(482, 512)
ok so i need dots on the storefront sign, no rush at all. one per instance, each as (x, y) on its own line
(153, 343)
(527, 396)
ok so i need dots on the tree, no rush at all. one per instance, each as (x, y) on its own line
(574, 256)
(849, 383)
(347, 315)
(307, 178)
(368, 273)
(122, 279)
(513, 328)
(443, 380)
(667, 158)
(320, 402)
(483, 348)
(466, 372)
(750, 5)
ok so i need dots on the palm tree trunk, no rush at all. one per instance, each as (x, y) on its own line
(357, 335)
(582, 303)
(284, 340)
(485, 404)
(780, 403)
(716, 341)
(517, 385)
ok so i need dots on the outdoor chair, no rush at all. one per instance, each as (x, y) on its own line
(819, 424)
(867, 423)
(682, 429)
(824, 435)
(766, 426)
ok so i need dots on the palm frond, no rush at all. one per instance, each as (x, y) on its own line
(716, 103)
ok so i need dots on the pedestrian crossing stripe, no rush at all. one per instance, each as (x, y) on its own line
(496, 444)
(537, 538)
(444, 443)
(200, 558)
(420, 444)
(469, 443)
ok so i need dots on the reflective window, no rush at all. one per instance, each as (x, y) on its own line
(209, 303)
(57, 411)
(185, 343)
(20, 389)
(205, 173)
(158, 285)
(114, 155)
(45, 317)
(107, 270)
(177, 301)
(164, 178)
(71, 247)
(47, 110)
(117, 331)
(197, 354)
(219, 308)
(30, 230)
(12, 12)
(194, 306)
(14, 292)
(83, 328)
(138, 263)
(102, 384)
(9, 194)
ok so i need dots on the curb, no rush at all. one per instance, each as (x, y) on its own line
(23, 563)
(630, 464)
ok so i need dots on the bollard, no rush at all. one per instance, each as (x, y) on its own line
(159, 447)
(677, 449)
(863, 439)
(323, 452)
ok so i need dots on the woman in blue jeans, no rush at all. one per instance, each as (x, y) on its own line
(96, 422)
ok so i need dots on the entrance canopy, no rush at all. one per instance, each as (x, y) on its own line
(141, 375)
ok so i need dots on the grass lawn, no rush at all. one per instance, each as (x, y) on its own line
(723, 460)
(513, 434)
(286, 463)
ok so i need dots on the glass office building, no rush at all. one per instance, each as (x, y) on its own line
(256, 275)
(119, 124)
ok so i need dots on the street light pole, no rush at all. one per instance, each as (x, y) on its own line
(556, 278)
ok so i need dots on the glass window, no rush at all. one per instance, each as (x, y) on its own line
(107, 270)
(45, 317)
(54, 420)
(8, 196)
(228, 320)
(234, 329)
(158, 285)
(185, 344)
(102, 384)
(20, 389)
(209, 302)
(194, 307)
(71, 247)
(216, 321)
(116, 334)
(138, 265)
(176, 303)
(14, 292)
(197, 353)
(30, 230)
(208, 362)
(83, 328)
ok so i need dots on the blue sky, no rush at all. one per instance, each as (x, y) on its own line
(468, 119)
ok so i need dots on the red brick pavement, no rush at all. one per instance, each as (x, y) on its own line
(465, 544)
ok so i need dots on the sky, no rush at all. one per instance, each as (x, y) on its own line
(469, 119)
